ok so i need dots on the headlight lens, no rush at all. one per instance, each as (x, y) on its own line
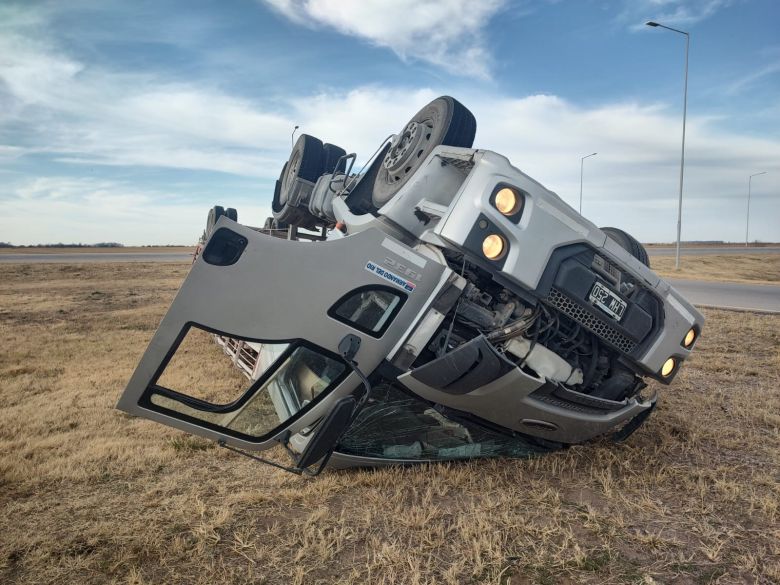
(507, 201)
(668, 367)
(690, 337)
(493, 246)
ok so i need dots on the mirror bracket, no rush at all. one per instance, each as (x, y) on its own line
(348, 347)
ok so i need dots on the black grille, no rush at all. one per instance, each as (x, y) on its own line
(592, 323)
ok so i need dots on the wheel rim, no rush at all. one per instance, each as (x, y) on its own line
(408, 146)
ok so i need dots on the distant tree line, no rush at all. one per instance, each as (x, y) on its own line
(61, 245)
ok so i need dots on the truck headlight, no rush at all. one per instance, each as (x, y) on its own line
(507, 201)
(668, 367)
(493, 247)
(690, 337)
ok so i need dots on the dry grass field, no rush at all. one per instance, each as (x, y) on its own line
(752, 268)
(90, 495)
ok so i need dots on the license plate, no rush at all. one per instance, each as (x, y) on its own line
(607, 301)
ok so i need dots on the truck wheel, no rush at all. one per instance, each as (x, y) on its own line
(628, 243)
(232, 214)
(276, 204)
(443, 121)
(214, 214)
(331, 155)
(305, 162)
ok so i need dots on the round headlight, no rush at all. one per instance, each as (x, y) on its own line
(493, 246)
(668, 367)
(507, 201)
(690, 337)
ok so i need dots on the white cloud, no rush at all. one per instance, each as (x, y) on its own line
(98, 117)
(673, 13)
(747, 81)
(447, 34)
(631, 183)
(72, 210)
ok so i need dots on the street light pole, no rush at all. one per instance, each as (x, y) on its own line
(747, 218)
(292, 137)
(682, 155)
(582, 165)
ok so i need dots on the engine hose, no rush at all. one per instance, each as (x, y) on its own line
(513, 329)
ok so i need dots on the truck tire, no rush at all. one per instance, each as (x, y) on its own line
(628, 243)
(305, 162)
(443, 121)
(331, 155)
(214, 214)
(276, 205)
(232, 214)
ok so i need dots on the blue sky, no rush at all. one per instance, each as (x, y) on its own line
(126, 121)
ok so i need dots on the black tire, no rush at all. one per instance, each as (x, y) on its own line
(443, 121)
(214, 214)
(305, 162)
(276, 204)
(232, 214)
(331, 155)
(628, 243)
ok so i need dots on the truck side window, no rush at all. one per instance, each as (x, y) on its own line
(261, 387)
(368, 309)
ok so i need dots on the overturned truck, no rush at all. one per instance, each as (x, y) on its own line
(446, 306)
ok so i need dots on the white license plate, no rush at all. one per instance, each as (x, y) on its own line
(607, 301)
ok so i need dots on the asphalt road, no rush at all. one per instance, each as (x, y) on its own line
(82, 257)
(762, 297)
(669, 251)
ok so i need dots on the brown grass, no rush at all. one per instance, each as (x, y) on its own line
(90, 495)
(756, 268)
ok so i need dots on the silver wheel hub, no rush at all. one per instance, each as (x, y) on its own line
(405, 142)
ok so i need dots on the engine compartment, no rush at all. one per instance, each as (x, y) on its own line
(536, 335)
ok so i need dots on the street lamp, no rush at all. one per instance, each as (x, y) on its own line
(292, 137)
(682, 155)
(747, 219)
(582, 164)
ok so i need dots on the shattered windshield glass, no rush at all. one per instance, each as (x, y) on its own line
(397, 425)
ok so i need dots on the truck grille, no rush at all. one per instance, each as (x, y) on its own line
(592, 323)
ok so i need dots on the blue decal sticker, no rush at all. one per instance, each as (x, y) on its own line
(391, 277)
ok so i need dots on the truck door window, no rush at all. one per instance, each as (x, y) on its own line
(368, 309)
(250, 391)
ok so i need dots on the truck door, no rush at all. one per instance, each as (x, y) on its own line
(248, 349)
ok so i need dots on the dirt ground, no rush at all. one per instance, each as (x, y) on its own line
(747, 268)
(90, 495)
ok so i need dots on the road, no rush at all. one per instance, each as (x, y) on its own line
(762, 297)
(82, 257)
(709, 251)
